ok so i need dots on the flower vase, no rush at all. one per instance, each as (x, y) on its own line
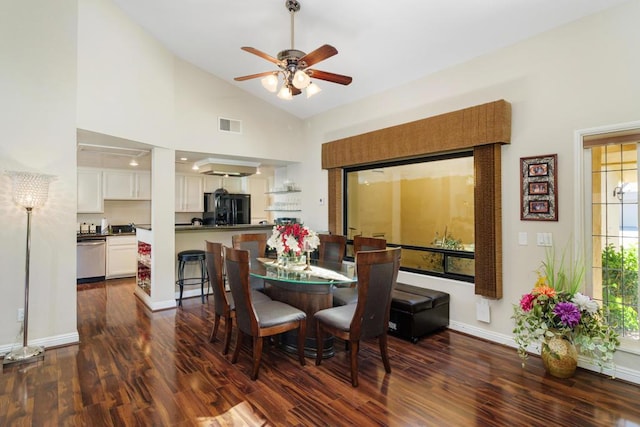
(290, 260)
(559, 356)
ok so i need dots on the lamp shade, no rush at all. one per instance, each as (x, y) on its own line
(301, 79)
(270, 82)
(30, 190)
(285, 93)
(312, 89)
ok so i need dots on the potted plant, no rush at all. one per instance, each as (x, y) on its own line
(563, 320)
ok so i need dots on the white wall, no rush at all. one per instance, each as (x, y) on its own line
(37, 121)
(130, 86)
(581, 75)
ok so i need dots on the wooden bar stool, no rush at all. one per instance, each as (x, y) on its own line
(193, 255)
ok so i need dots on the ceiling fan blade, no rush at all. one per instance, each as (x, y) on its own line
(261, 54)
(330, 77)
(320, 54)
(253, 76)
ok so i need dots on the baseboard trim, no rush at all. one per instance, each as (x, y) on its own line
(48, 342)
(620, 372)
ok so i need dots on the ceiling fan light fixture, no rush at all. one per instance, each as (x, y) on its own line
(301, 79)
(270, 83)
(313, 89)
(285, 93)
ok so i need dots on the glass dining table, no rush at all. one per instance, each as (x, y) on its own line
(308, 288)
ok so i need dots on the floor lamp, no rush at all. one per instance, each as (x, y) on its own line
(30, 190)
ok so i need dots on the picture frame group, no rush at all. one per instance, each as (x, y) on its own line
(539, 188)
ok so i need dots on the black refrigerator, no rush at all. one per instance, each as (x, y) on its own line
(222, 208)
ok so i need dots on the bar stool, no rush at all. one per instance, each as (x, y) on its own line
(193, 255)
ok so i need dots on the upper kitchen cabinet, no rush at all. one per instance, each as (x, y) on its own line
(90, 198)
(233, 185)
(126, 185)
(189, 193)
(212, 183)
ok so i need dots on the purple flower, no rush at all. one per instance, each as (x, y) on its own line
(568, 313)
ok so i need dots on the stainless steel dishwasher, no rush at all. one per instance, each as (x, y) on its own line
(91, 259)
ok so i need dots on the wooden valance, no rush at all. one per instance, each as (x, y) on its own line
(482, 128)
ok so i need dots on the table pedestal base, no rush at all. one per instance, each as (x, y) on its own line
(310, 299)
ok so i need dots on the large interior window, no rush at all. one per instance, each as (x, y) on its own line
(611, 194)
(425, 206)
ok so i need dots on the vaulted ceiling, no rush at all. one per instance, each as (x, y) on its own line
(381, 44)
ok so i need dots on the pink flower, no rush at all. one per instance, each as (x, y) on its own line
(526, 302)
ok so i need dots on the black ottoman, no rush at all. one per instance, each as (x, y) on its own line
(417, 311)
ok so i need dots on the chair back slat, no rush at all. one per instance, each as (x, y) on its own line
(255, 243)
(368, 244)
(377, 275)
(332, 248)
(215, 267)
(237, 267)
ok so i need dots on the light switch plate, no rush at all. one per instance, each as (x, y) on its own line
(544, 239)
(522, 238)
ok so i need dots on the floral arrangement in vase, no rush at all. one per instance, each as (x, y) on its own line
(291, 240)
(555, 309)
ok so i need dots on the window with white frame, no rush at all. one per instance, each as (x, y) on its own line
(610, 179)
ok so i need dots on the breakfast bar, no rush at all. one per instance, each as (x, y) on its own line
(187, 237)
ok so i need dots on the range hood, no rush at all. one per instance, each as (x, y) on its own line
(227, 167)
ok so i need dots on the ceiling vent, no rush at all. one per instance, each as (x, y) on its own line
(226, 167)
(229, 125)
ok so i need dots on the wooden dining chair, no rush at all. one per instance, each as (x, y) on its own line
(224, 306)
(368, 244)
(349, 295)
(259, 320)
(256, 244)
(332, 248)
(369, 317)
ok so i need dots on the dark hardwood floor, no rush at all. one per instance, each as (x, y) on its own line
(137, 368)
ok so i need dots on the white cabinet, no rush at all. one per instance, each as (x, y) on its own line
(189, 193)
(90, 198)
(122, 256)
(212, 183)
(143, 185)
(127, 185)
(234, 185)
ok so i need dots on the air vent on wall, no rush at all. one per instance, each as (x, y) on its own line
(229, 125)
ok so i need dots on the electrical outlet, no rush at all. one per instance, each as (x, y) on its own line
(20, 314)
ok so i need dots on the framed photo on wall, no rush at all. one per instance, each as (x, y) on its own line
(539, 188)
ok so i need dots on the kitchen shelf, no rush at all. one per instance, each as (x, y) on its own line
(283, 192)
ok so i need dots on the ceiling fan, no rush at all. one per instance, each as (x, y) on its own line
(293, 66)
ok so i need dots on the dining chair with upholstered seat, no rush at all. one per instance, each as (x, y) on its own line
(258, 320)
(369, 317)
(349, 295)
(368, 244)
(256, 244)
(224, 306)
(332, 248)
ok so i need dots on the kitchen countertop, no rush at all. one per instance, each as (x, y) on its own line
(195, 228)
(93, 236)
